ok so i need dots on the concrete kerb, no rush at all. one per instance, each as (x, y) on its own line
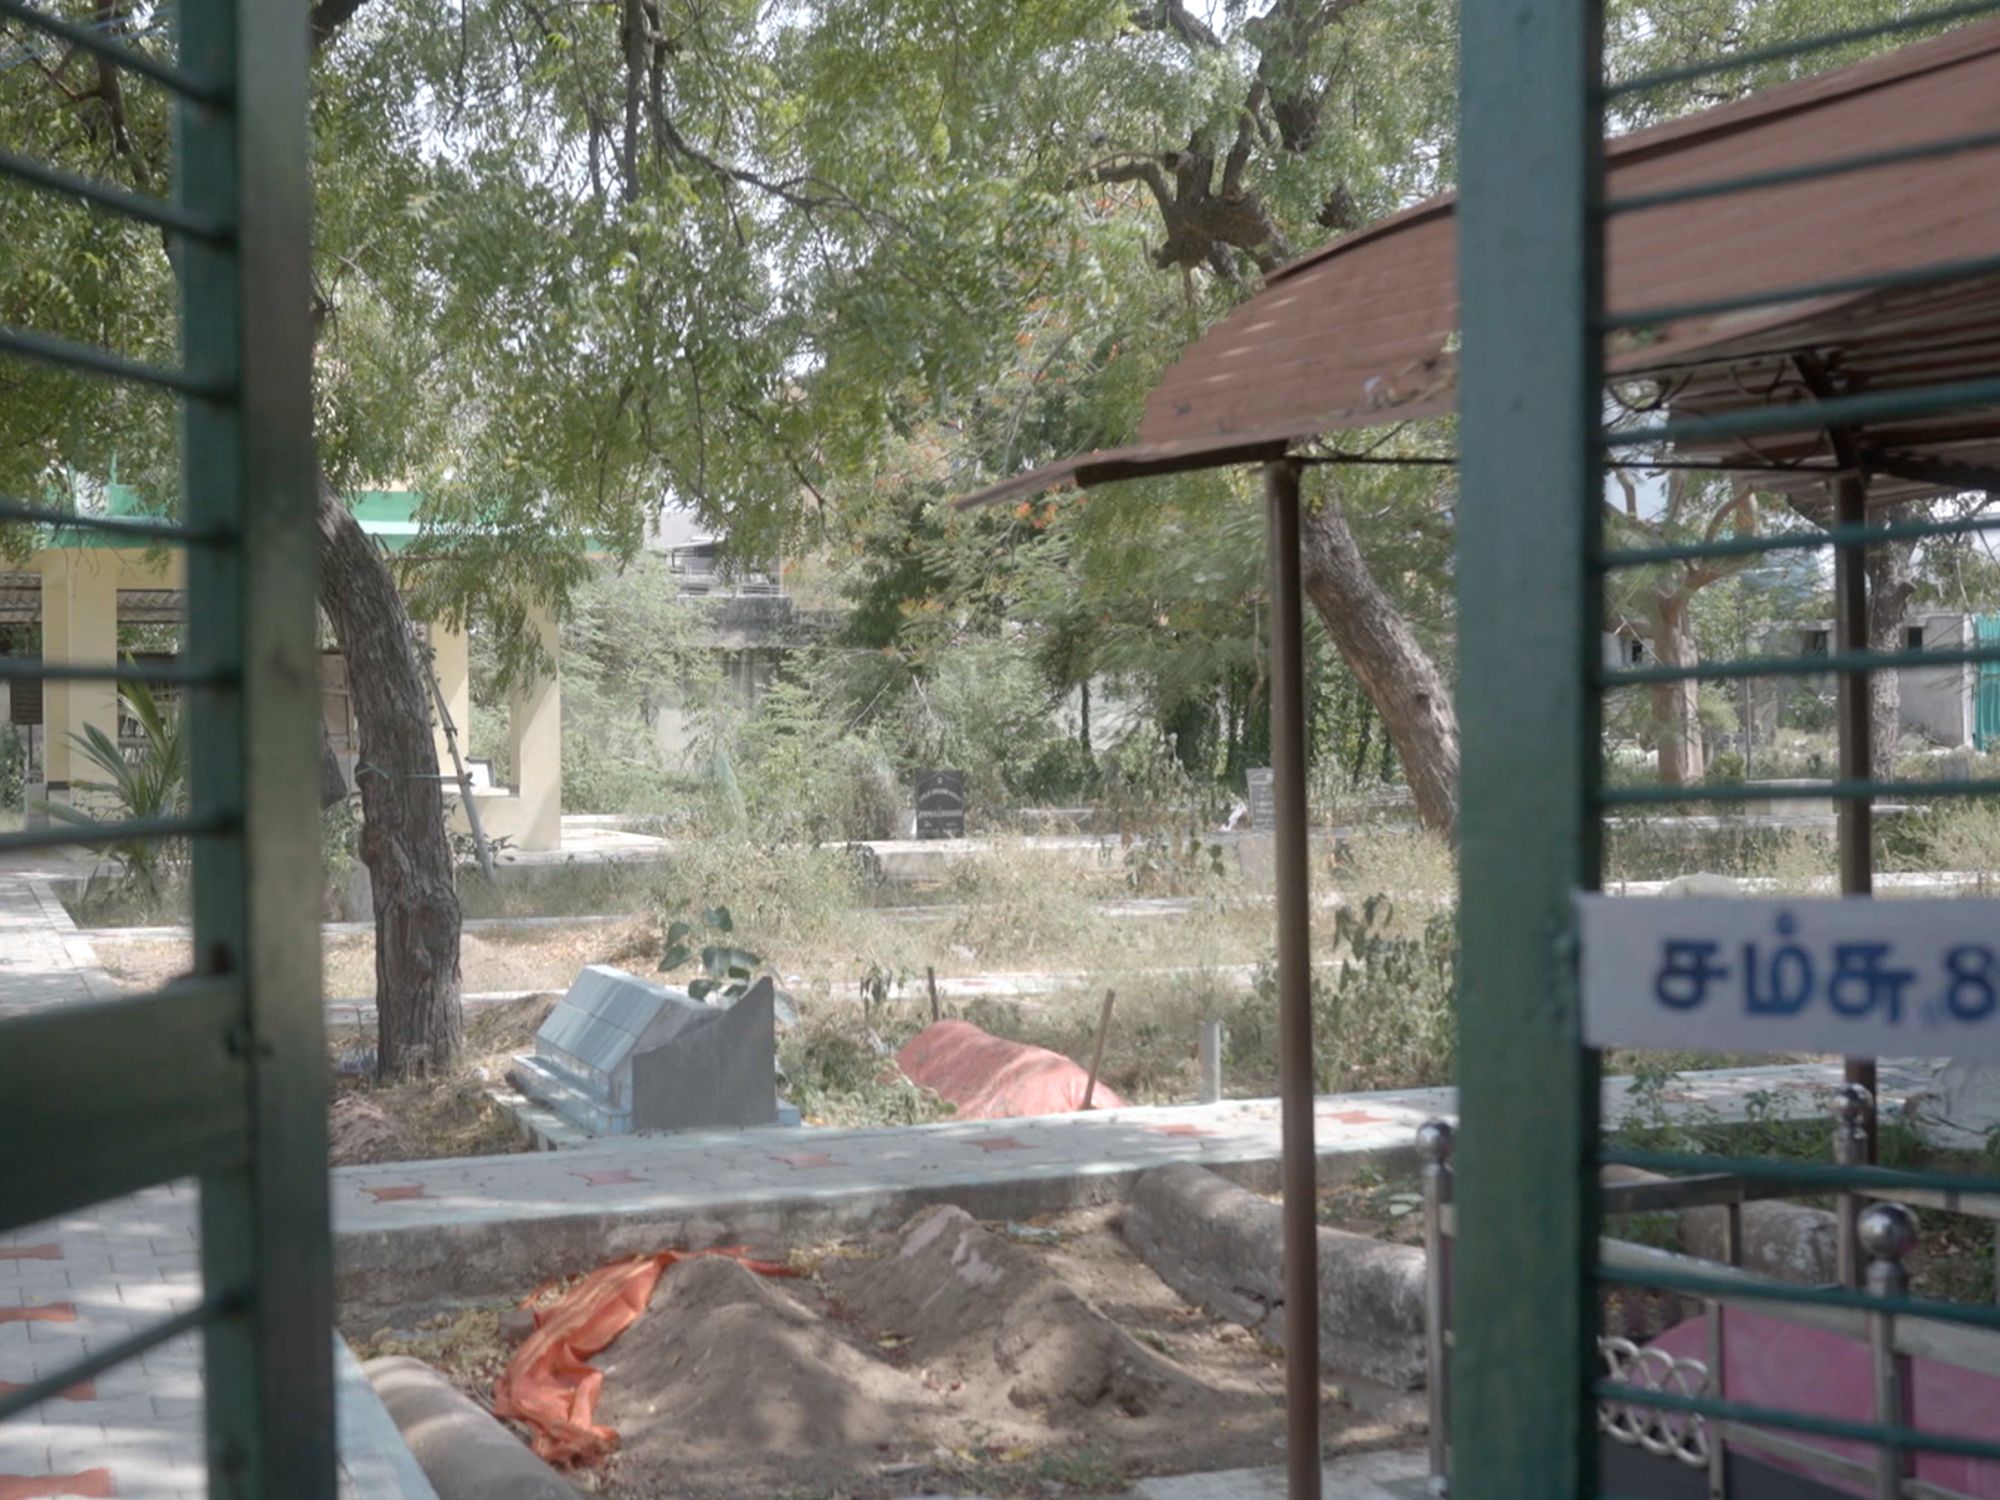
(463, 1450)
(1220, 1247)
(75, 942)
(1392, 1474)
(491, 1227)
(375, 1461)
(484, 1255)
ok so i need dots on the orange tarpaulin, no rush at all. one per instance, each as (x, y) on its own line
(991, 1078)
(550, 1386)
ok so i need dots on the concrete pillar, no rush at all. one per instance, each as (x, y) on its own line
(451, 659)
(535, 731)
(79, 627)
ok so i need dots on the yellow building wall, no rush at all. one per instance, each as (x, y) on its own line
(80, 625)
(79, 628)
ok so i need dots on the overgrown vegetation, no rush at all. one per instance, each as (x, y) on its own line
(838, 1067)
(150, 783)
(1964, 836)
(1955, 1259)
(13, 770)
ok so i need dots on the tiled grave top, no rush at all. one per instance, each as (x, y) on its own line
(607, 1016)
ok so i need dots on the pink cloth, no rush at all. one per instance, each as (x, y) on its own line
(1768, 1362)
(990, 1078)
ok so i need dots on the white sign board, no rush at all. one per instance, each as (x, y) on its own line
(1858, 977)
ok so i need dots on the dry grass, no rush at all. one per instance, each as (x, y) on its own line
(464, 1346)
(453, 1116)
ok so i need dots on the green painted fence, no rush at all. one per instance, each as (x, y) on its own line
(1534, 433)
(220, 1076)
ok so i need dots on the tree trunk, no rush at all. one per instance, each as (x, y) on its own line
(1386, 658)
(1676, 705)
(419, 1022)
(1890, 586)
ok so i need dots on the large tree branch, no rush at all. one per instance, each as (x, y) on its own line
(1140, 169)
(633, 40)
(809, 194)
(327, 17)
(1246, 137)
(1172, 16)
(1742, 510)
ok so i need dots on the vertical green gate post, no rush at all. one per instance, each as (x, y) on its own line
(1986, 688)
(1528, 606)
(250, 468)
(220, 1076)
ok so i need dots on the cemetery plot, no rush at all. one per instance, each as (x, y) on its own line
(946, 1355)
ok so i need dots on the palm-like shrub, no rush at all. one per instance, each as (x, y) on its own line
(150, 783)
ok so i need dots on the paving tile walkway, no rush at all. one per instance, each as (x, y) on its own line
(71, 1285)
(44, 959)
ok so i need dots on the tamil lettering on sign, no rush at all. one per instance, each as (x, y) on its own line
(940, 804)
(1262, 784)
(1859, 977)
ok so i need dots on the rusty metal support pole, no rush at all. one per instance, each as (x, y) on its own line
(1856, 828)
(1295, 1042)
(1854, 1111)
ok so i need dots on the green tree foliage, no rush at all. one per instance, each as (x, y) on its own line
(812, 271)
(634, 660)
(82, 275)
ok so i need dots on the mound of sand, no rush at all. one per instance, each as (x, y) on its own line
(727, 1363)
(937, 1338)
(360, 1132)
(990, 1312)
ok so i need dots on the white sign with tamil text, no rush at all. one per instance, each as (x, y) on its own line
(1854, 976)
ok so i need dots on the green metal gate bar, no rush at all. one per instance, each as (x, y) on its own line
(1530, 396)
(1833, 536)
(219, 1076)
(1531, 578)
(1986, 711)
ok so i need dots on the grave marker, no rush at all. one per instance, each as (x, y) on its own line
(1262, 786)
(940, 804)
(619, 1055)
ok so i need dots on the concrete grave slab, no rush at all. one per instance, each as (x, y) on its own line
(1219, 1245)
(618, 1055)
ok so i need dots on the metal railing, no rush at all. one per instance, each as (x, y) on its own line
(1541, 214)
(1678, 1408)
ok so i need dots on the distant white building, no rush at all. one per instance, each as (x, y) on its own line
(1943, 703)
(1955, 705)
(751, 620)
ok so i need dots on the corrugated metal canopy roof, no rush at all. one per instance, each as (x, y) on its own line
(1362, 332)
